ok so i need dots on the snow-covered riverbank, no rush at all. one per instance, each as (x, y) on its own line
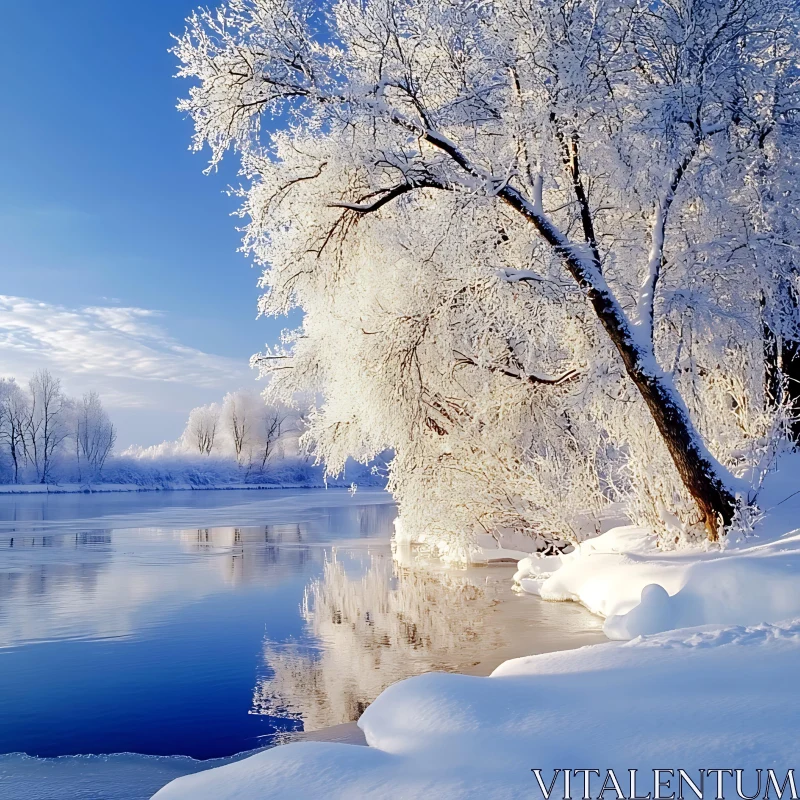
(180, 477)
(119, 776)
(707, 698)
(640, 588)
(717, 696)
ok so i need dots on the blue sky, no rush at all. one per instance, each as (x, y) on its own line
(103, 207)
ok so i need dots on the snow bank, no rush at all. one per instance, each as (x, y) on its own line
(94, 488)
(624, 575)
(639, 590)
(176, 486)
(656, 702)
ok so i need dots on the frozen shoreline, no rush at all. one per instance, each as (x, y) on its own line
(100, 488)
(657, 702)
(123, 776)
(639, 588)
(714, 636)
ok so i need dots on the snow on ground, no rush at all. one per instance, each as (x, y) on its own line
(707, 698)
(127, 474)
(119, 776)
(640, 589)
(192, 477)
(623, 577)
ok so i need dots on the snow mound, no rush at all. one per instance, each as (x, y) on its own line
(656, 702)
(624, 576)
(639, 589)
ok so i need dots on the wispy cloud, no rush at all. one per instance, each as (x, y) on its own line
(123, 353)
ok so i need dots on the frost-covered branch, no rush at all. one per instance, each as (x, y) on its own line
(647, 292)
(385, 196)
(527, 376)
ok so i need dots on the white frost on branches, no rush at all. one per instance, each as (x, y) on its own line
(44, 433)
(242, 428)
(545, 250)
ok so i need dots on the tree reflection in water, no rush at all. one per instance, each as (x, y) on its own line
(370, 631)
(260, 555)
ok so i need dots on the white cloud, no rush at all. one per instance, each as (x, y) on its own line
(111, 342)
(123, 353)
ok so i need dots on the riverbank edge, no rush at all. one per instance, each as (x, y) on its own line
(112, 488)
(456, 736)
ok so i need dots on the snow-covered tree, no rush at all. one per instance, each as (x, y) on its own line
(14, 413)
(201, 429)
(240, 411)
(243, 427)
(47, 423)
(47, 436)
(94, 434)
(271, 420)
(544, 249)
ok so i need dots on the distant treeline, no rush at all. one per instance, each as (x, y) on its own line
(242, 428)
(43, 432)
(49, 438)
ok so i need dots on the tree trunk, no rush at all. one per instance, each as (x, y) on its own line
(700, 473)
(14, 459)
(782, 377)
(697, 469)
(790, 365)
(704, 478)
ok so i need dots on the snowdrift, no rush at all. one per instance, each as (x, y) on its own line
(708, 698)
(622, 576)
(626, 577)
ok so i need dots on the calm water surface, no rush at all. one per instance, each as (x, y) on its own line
(205, 624)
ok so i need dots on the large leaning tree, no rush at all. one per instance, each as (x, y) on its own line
(569, 224)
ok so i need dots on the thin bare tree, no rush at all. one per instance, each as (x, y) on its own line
(14, 413)
(95, 436)
(271, 430)
(47, 422)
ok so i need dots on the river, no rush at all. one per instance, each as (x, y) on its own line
(178, 627)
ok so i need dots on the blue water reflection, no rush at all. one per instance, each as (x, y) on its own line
(150, 639)
(205, 624)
